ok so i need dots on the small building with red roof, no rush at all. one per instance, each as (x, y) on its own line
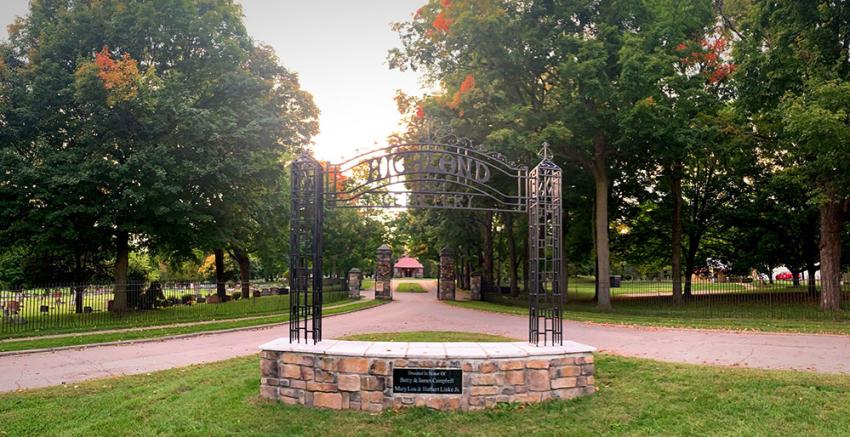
(408, 267)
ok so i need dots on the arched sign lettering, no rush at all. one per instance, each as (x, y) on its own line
(447, 175)
(428, 175)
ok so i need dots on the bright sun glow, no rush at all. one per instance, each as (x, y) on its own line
(339, 50)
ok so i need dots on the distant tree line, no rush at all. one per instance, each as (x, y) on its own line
(692, 134)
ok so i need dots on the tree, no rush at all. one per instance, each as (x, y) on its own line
(540, 76)
(268, 118)
(674, 75)
(794, 66)
(780, 226)
(156, 114)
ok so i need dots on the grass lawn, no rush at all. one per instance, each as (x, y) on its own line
(70, 322)
(584, 288)
(410, 287)
(736, 317)
(79, 340)
(367, 284)
(636, 397)
(429, 336)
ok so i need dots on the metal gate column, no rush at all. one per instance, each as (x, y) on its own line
(305, 245)
(546, 294)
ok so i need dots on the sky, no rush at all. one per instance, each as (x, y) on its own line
(339, 49)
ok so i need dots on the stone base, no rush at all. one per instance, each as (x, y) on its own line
(385, 292)
(446, 290)
(357, 375)
(475, 287)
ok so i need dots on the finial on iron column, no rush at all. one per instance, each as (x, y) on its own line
(545, 152)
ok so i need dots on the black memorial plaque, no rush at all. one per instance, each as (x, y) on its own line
(432, 381)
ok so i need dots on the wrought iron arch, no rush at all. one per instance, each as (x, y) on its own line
(428, 175)
(449, 173)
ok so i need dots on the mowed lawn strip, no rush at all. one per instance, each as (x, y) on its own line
(636, 397)
(410, 287)
(626, 314)
(83, 340)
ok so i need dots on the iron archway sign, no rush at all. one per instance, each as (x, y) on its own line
(449, 173)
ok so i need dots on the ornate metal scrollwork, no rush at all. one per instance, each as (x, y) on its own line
(441, 171)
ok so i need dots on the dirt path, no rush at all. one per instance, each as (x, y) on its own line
(421, 311)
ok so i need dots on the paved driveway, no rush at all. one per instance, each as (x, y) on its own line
(421, 311)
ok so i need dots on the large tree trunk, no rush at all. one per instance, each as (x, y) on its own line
(594, 254)
(487, 274)
(244, 262)
(78, 285)
(512, 255)
(220, 289)
(676, 243)
(600, 176)
(122, 263)
(690, 262)
(831, 217)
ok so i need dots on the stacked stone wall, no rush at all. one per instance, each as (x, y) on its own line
(359, 383)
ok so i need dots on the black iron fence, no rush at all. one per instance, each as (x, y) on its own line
(58, 308)
(728, 297)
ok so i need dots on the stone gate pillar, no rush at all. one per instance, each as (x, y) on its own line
(447, 275)
(475, 286)
(384, 273)
(355, 278)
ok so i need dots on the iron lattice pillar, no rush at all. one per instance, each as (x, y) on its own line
(546, 293)
(305, 258)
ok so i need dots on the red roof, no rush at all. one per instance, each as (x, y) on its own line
(407, 262)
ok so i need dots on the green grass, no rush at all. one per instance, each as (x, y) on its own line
(367, 284)
(584, 288)
(61, 323)
(736, 317)
(410, 287)
(453, 336)
(79, 340)
(636, 397)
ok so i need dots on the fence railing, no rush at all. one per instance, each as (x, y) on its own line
(58, 308)
(729, 297)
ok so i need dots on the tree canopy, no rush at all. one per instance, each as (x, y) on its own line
(157, 125)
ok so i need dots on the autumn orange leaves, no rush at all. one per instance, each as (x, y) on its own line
(708, 59)
(441, 22)
(119, 77)
(465, 87)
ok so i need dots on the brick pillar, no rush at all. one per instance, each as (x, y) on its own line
(475, 286)
(447, 275)
(384, 273)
